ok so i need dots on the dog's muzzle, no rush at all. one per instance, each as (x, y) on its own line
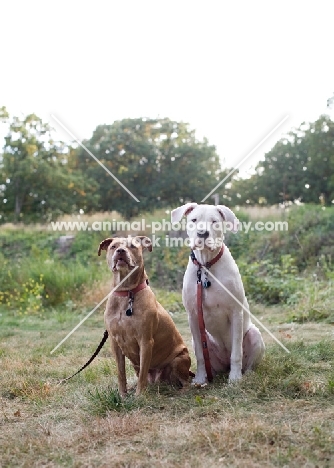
(202, 234)
(121, 258)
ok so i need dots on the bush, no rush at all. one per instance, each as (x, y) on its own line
(34, 275)
(270, 283)
(310, 236)
(166, 266)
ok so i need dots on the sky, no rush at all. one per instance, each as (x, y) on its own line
(232, 70)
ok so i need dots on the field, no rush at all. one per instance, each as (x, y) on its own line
(280, 415)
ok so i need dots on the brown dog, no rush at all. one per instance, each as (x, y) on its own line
(139, 327)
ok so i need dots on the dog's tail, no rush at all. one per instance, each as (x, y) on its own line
(98, 349)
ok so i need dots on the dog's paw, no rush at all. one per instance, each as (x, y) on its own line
(197, 385)
(199, 381)
(234, 377)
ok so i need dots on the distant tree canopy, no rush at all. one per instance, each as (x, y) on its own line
(37, 178)
(160, 161)
(299, 167)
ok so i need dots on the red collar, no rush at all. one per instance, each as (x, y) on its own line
(132, 291)
(208, 264)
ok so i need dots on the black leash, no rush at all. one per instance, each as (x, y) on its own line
(98, 349)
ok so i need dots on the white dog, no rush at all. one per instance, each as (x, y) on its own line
(233, 342)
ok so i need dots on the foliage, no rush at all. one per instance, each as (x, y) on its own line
(34, 277)
(160, 161)
(167, 265)
(272, 265)
(268, 283)
(315, 302)
(37, 178)
(299, 167)
(308, 240)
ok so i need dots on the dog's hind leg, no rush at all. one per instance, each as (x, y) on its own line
(253, 349)
(180, 366)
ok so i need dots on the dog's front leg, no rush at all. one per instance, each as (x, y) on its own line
(236, 351)
(120, 363)
(146, 347)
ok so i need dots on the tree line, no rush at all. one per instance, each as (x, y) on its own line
(160, 162)
(300, 167)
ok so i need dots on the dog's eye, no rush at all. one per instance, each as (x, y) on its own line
(132, 246)
(113, 246)
(194, 220)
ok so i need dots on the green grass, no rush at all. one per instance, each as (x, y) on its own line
(101, 401)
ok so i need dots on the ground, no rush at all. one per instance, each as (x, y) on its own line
(280, 415)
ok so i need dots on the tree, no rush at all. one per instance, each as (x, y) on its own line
(299, 167)
(245, 191)
(37, 180)
(319, 141)
(160, 161)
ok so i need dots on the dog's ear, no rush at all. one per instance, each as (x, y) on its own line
(229, 217)
(145, 242)
(104, 245)
(181, 211)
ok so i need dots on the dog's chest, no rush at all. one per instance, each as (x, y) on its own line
(125, 331)
(123, 323)
(116, 312)
(217, 300)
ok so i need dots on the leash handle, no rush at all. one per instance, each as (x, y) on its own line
(98, 349)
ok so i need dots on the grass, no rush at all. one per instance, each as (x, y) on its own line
(280, 415)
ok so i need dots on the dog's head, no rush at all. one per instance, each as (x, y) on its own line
(206, 224)
(125, 253)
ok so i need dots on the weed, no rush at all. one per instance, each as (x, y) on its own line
(104, 400)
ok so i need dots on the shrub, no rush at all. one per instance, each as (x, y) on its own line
(34, 275)
(270, 283)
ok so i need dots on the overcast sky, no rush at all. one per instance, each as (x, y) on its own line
(232, 70)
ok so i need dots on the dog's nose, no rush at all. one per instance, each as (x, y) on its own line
(120, 250)
(203, 234)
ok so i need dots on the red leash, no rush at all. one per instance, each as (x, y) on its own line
(201, 323)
